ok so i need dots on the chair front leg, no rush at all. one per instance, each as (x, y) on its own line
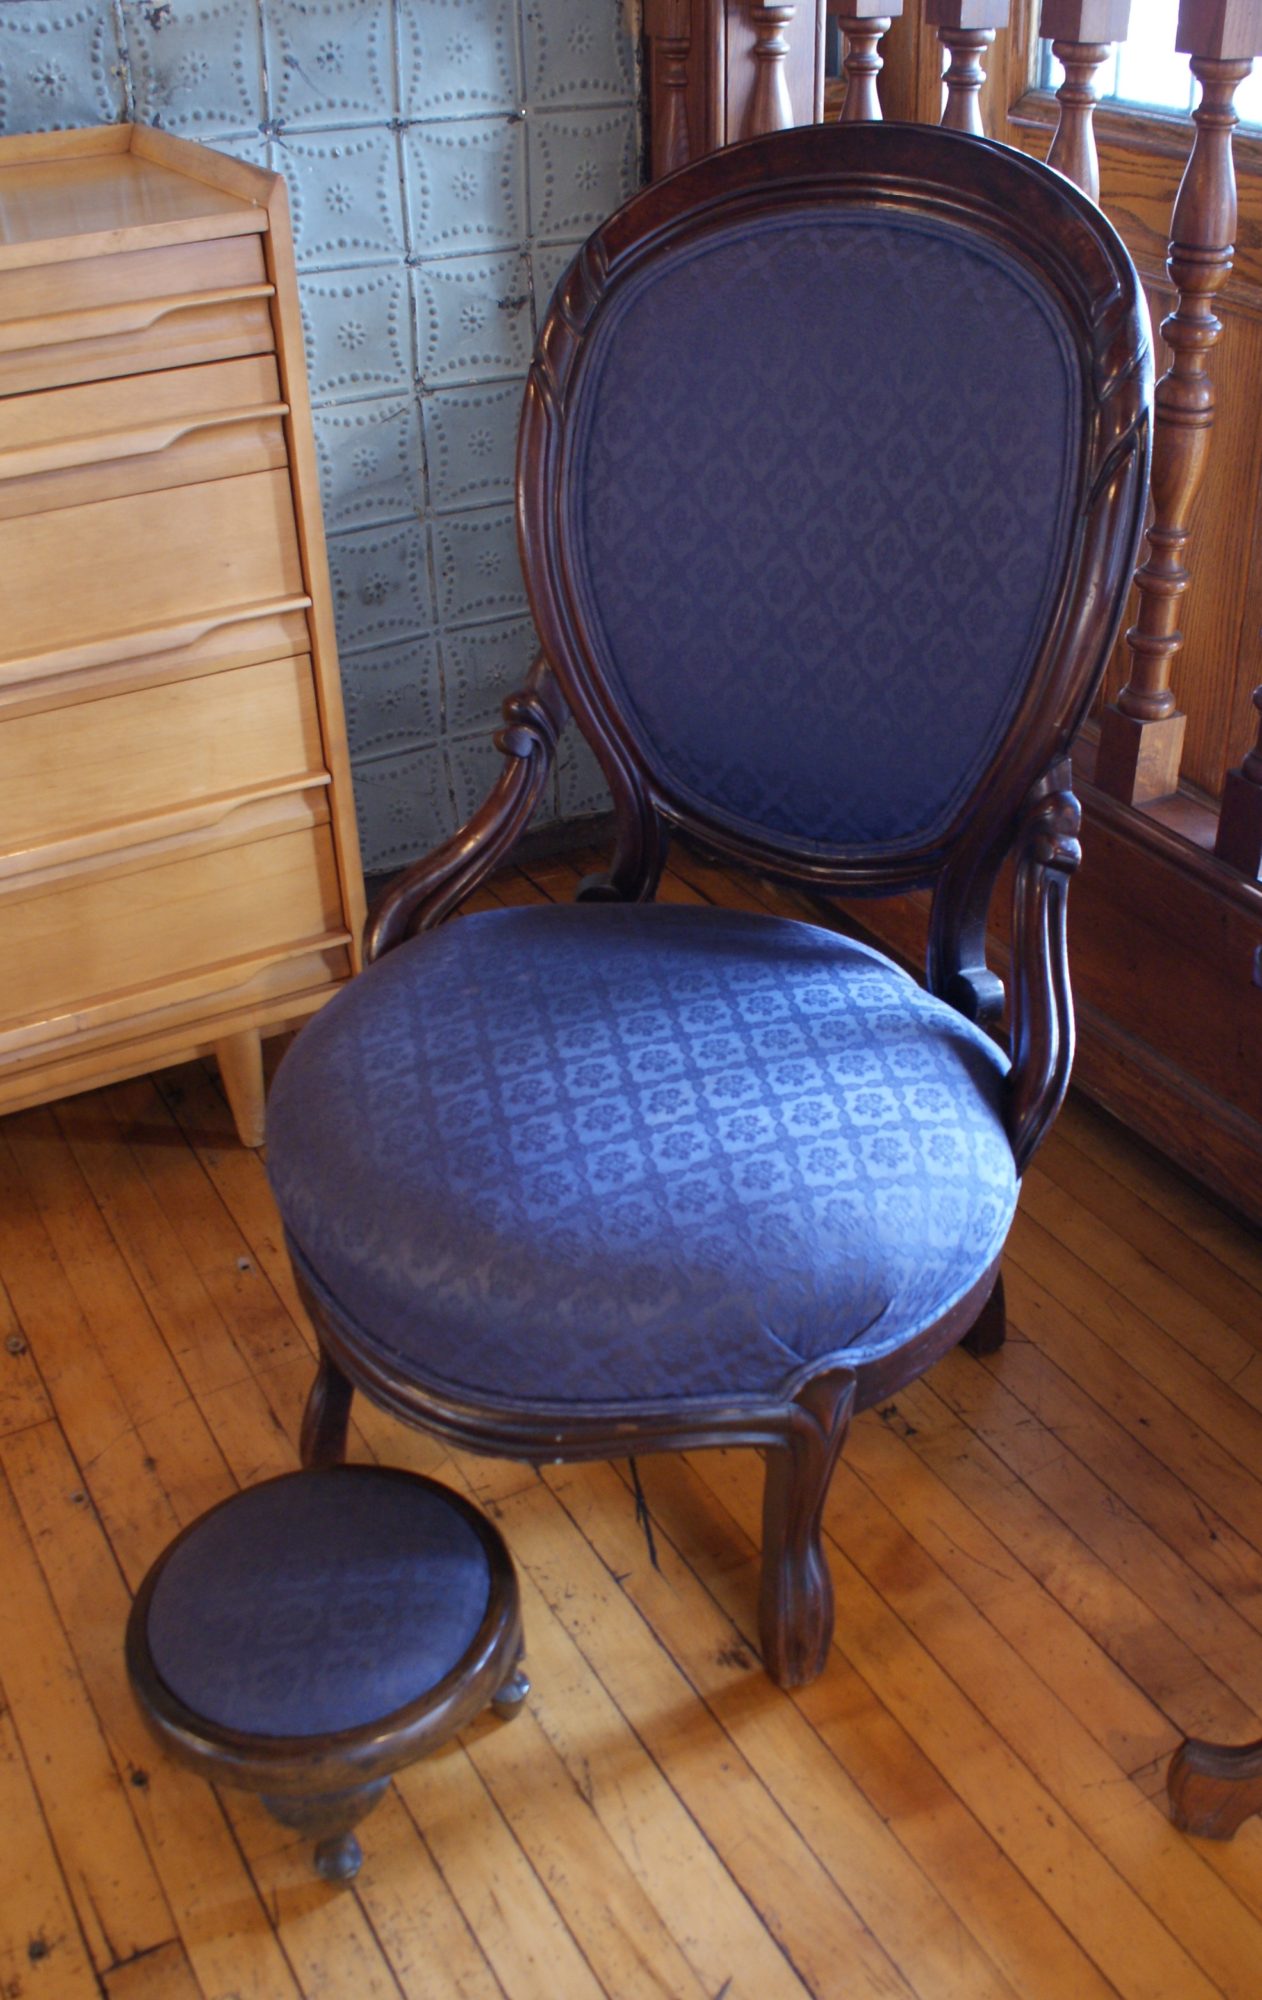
(795, 1612)
(326, 1419)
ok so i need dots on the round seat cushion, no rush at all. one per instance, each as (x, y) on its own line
(636, 1154)
(318, 1601)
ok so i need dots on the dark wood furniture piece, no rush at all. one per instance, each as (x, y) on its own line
(1214, 1787)
(315, 1633)
(571, 1183)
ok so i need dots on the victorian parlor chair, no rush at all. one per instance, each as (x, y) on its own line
(831, 474)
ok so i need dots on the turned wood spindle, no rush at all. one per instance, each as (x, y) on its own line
(1239, 838)
(966, 28)
(668, 29)
(1141, 735)
(862, 27)
(771, 108)
(1081, 32)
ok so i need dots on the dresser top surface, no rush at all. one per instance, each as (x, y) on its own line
(63, 196)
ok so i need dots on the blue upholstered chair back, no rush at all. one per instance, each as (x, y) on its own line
(823, 476)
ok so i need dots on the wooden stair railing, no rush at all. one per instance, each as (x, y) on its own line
(862, 26)
(966, 29)
(1141, 734)
(1082, 33)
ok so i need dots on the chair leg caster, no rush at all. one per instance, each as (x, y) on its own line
(508, 1702)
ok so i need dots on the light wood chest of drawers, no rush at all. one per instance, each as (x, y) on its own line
(179, 870)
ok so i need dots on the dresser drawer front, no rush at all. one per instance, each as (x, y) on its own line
(90, 937)
(148, 309)
(142, 570)
(100, 441)
(80, 778)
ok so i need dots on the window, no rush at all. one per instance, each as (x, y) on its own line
(1146, 71)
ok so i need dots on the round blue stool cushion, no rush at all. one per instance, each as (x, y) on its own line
(598, 1153)
(318, 1602)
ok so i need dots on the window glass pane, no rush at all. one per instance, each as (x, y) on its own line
(1146, 69)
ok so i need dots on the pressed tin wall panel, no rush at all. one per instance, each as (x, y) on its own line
(444, 158)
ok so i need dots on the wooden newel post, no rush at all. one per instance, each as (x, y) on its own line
(966, 28)
(1240, 821)
(862, 23)
(1141, 735)
(771, 107)
(668, 31)
(1081, 33)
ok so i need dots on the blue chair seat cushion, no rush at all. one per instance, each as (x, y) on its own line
(573, 1155)
(318, 1601)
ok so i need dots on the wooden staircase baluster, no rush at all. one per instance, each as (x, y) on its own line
(1141, 735)
(966, 28)
(1081, 33)
(1239, 838)
(771, 108)
(668, 29)
(862, 26)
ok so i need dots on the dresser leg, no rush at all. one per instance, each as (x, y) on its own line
(240, 1059)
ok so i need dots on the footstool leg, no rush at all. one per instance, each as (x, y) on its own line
(328, 1818)
(508, 1701)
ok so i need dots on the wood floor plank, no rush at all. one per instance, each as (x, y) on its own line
(1168, 1670)
(1013, 1787)
(164, 1974)
(42, 1955)
(425, 1935)
(116, 1896)
(222, 1923)
(994, 1908)
(23, 1397)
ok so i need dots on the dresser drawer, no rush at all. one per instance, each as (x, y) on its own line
(98, 441)
(79, 779)
(77, 940)
(147, 309)
(144, 573)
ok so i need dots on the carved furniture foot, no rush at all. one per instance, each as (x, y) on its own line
(990, 1329)
(795, 1611)
(1214, 1787)
(311, 1635)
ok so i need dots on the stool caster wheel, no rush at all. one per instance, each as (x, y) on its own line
(327, 1818)
(508, 1702)
(338, 1858)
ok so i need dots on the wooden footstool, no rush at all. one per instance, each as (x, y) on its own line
(313, 1634)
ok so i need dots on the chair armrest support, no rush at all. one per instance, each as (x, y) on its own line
(433, 887)
(1042, 1022)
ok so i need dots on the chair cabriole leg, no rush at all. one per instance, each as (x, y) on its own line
(795, 1611)
(990, 1329)
(326, 1419)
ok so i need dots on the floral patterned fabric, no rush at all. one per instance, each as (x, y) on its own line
(822, 498)
(567, 1155)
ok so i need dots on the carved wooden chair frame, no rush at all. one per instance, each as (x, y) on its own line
(1021, 804)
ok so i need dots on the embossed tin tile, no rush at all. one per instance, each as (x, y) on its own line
(548, 261)
(482, 665)
(466, 184)
(581, 787)
(475, 562)
(393, 696)
(370, 461)
(473, 318)
(59, 67)
(381, 587)
(404, 807)
(358, 338)
(330, 62)
(197, 65)
(582, 167)
(345, 196)
(577, 52)
(471, 439)
(474, 764)
(457, 57)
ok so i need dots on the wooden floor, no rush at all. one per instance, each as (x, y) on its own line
(1048, 1567)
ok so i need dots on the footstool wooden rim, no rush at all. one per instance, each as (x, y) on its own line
(324, 1782)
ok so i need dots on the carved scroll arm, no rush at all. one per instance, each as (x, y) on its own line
(433, 887)
(1042, 1012)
